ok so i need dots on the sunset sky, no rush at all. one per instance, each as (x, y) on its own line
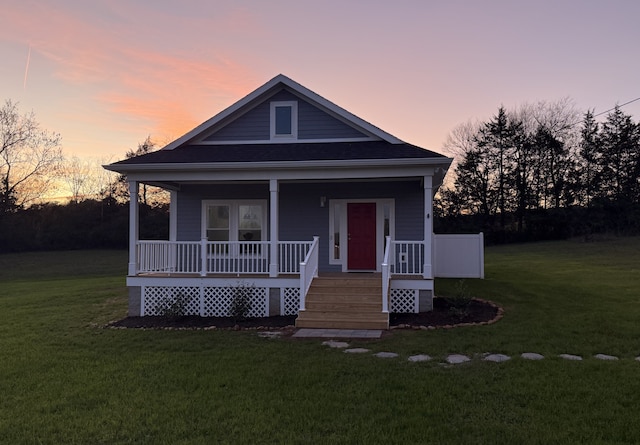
(106, 74)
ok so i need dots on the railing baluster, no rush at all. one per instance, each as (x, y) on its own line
(204, 257)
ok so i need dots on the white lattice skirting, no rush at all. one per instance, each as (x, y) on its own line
(290, 300)
(203, 301)
(209, 301)
(404, 301)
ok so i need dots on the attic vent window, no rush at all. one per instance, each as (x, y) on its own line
(284, 120)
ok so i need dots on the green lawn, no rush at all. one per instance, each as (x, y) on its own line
(64, 379)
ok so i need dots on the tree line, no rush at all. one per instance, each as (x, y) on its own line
(96, 212)
(543, 171)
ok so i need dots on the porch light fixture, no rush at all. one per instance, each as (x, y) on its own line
(323, 201)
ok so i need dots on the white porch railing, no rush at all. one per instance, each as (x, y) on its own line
(291, 254)
(386, 275)
(407, 257)
(308, 271)
(208, 257)
(236, 257)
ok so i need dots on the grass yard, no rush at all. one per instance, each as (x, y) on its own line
(66, 380)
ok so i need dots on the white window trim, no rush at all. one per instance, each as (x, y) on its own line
(234, 222)
(294, 119)
(380, 202)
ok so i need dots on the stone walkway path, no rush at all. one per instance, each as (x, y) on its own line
(456, 359)
(451, 359)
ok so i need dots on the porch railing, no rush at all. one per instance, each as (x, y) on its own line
(308, 271)
(407, 257)
(291, 254)
(213, 257)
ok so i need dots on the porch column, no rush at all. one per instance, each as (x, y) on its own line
(134, 217)
(427, 271)
(273, 227)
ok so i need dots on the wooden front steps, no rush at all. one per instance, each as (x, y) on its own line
(344, 303)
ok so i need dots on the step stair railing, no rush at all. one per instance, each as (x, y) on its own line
(308, 271)
(386, 275)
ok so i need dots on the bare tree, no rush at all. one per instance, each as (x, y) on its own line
(79, 177)
(29, 158)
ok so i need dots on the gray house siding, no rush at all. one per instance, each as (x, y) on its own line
(313, 123)
(301, 216)
(251, 126)
(409, 210)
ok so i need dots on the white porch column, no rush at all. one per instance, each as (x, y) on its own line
(134, 217)
(428, 228)
(273, 227)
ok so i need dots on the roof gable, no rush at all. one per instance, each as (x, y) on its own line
(314, 124)
(248, 120)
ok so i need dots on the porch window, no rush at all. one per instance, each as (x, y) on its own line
(234, 221)
(386, 212)
(284, 120)
(218, 222)
(335, 231)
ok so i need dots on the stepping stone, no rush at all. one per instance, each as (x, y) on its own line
(605, 357)
(498, 358)
(455, 359)
(335, 344)
(420, 358)
(386, 355)
(638, 358)
(270, 334)
(570, 357)
(356, 350)
(531, 356)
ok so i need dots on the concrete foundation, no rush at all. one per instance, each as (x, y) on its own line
(274, 302)
(135, 301)
(425, 300)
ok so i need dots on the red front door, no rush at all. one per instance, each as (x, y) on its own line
(361, 228)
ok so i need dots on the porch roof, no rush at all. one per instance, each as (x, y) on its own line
(283, 152)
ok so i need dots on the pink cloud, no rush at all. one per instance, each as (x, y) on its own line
(112, 54)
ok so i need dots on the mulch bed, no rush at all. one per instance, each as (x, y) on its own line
(478, 312)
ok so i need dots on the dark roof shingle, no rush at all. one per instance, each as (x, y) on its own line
(283, 152)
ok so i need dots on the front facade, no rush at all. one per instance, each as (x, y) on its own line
(276, 192)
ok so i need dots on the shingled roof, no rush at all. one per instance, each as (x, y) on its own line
(283, 152)
(195, 150)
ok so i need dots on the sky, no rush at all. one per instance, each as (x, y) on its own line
(106, 74)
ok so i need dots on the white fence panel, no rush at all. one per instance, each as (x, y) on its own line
(458, 256)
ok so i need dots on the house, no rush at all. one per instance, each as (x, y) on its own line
(313, 210)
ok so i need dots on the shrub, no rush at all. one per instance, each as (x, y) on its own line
(173, 307)
(241, 302)
(460, 300)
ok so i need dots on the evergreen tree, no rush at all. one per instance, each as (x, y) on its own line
(497, 140)
(588, 172)
(618, 157)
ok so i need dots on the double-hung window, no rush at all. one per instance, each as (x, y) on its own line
(241, 223)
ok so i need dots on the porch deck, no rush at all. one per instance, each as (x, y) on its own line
(283, 278)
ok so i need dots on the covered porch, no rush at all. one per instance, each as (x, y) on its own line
(205, 276)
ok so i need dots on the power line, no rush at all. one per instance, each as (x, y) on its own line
(617, 106)
(604, 112)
